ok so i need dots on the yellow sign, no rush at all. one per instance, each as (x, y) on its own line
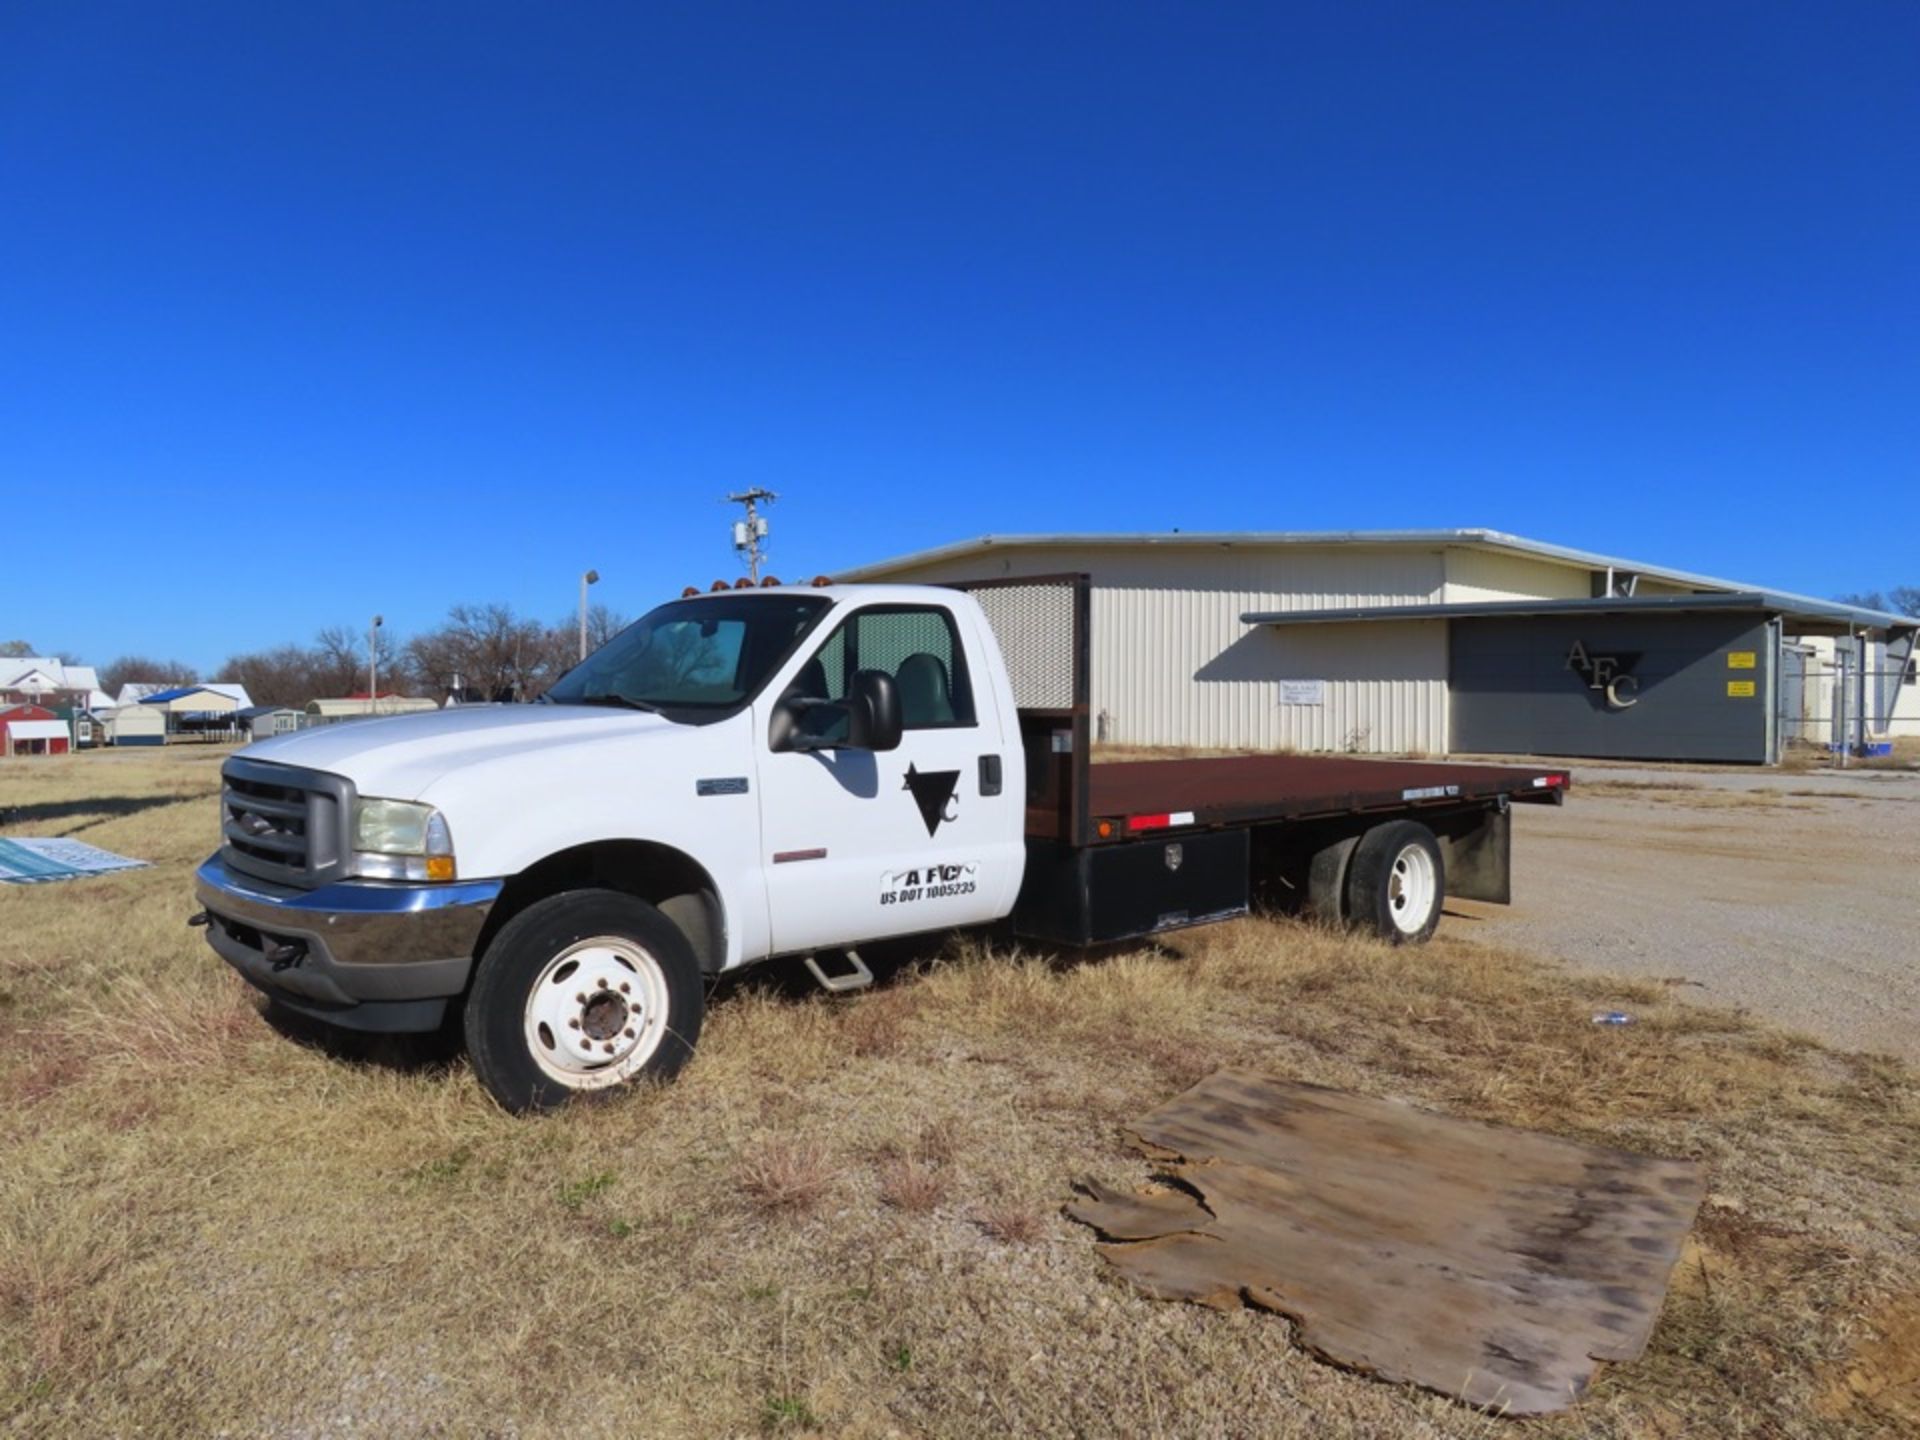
(1740, 689)
(1740, 659)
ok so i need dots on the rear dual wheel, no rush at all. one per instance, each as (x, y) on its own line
(581, 994)
(1390, 881)
(1397, 882)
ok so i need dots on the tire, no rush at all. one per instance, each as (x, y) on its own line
(1397, 883)
(1327, 882)
(579, 995)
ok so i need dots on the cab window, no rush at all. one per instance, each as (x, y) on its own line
(918, 645)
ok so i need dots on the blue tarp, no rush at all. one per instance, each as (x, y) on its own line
(30, 862)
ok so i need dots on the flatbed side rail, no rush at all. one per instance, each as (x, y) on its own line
(1145, 797)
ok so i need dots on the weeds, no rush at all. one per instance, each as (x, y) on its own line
(576, 1194)
(789, 1412)
(212, 1227)
(912, 1186)
(1011, 1224)
(783, 1176)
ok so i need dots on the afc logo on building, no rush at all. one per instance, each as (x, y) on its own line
(1611, 675)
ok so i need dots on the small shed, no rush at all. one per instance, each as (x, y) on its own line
(263, 722)
(136, 725)
(33, 730)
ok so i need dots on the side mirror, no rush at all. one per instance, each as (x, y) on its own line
(868, 719)
(874, 711)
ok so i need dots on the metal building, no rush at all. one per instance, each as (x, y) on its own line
(1434, 642)
(263, 722)
(136, 724)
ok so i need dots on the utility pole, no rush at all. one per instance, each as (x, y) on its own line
(373, 665)
(589, 577)
(749, 535)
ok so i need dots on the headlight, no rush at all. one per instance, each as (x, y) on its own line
(399, 840)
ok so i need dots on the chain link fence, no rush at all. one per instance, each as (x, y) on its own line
(1839, 702)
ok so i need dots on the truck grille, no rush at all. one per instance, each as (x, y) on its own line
(284, 824)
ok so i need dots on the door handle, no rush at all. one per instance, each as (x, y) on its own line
(989, 774)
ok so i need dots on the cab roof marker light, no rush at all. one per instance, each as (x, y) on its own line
(689, 592)
(769, 581)
(820, 582)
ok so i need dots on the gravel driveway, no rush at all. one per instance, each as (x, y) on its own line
(1795, 896)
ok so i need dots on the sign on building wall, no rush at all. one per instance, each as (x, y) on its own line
(1303, 692)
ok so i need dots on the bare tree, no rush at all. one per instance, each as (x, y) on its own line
(15, 650)
(281, 676)
(1901, 600)
(339, 662)
(602, 625)
(144, 670)
(492, 653)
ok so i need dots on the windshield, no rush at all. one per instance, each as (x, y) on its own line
(708, 654)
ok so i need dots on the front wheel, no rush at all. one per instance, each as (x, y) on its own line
(581, 993)
(1397, 882)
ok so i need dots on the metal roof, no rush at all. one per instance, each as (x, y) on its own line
(1769, 601)
(1468, 538)
(56, 674)
(39, 730)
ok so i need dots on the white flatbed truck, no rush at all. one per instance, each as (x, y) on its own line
(781, 771)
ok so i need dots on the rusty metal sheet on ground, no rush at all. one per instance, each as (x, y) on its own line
(1491, 1264)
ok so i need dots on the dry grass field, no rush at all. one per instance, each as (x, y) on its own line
(845, 1218)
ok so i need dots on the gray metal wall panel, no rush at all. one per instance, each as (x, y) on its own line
(1174, 664)
(1513, 691)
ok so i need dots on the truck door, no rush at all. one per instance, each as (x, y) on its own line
(862, 845)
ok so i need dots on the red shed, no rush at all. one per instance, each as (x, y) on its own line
(33, 730)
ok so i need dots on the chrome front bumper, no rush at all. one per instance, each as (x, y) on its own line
(361, 954)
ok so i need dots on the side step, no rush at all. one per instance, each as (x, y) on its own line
(858, 978)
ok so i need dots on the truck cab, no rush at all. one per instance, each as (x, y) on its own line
(744, 773)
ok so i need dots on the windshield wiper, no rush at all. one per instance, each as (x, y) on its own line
(612, 698)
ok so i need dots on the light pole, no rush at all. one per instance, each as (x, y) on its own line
(373, 665)
(590, 577)
(750, 534)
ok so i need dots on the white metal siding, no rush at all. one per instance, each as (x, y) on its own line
(1475, 576)
(1174, 664)
(137, 720)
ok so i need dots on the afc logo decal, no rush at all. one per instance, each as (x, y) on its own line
(933, 792)
(935, 881)
(1611, 675)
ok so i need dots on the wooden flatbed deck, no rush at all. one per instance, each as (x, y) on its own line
(1250, 789)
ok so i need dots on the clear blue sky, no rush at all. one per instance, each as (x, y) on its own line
(310, 311)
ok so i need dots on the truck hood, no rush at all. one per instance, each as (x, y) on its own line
(400, 756)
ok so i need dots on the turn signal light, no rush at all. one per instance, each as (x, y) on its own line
(440, 867)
